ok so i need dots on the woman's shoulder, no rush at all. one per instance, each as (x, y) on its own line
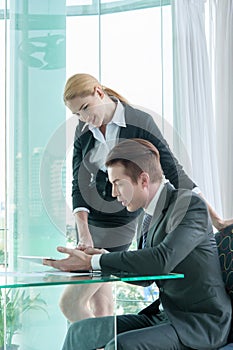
(139, 112)
(143, 118)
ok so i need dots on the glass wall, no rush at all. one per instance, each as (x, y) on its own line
(128, 46)
(2, 136)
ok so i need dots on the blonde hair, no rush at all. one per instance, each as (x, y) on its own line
(83, 85)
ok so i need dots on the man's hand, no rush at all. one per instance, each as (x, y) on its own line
(77, 260)
(92, 251)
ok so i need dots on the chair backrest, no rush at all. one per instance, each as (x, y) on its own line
(227, 347)
(224, 239)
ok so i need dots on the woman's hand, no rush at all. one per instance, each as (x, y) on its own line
(85, 242)
(220, 224)
(85, 238)
(217, 222)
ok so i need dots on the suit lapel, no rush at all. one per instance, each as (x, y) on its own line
(159, 213)
(88, 142)
(133, 128)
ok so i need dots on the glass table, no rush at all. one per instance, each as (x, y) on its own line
(29, 304)
(53, 278)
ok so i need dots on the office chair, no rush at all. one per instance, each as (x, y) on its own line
(224, 239)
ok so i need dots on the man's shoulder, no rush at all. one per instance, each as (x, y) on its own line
(183, 202)
(181, 195)
(185, 207)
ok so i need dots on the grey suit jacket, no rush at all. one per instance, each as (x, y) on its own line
(181, 240)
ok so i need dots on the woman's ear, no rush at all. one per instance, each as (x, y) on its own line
(99, 91)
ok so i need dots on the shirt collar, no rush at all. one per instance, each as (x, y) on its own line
(119, 114)
(151, 207)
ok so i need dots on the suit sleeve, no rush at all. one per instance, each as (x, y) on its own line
(172, 169)
(81, 176)
(183, 238)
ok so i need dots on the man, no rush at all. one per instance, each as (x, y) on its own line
(195, 312)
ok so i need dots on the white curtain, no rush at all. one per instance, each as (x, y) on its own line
(193, 108)
(223, 20)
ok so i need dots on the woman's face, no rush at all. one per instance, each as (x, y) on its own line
(89, 109)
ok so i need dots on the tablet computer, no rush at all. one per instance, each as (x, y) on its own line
(35, 259)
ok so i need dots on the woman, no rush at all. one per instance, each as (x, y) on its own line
(106, 118)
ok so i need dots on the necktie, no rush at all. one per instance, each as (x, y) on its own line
(145, 227)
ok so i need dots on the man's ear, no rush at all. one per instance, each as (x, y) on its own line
(145, 179)
(99, 91)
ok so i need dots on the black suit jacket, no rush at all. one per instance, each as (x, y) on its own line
(91, 188)
(180, 239)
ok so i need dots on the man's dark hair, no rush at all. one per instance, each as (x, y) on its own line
(137, 156)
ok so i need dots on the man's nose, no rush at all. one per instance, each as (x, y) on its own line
(114, 190)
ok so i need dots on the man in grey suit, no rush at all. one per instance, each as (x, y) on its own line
(192, 313)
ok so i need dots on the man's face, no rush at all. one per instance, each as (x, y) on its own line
(131, 195)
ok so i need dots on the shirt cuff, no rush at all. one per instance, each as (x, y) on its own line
(95, 262)
(196, 190)
(76, 210)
